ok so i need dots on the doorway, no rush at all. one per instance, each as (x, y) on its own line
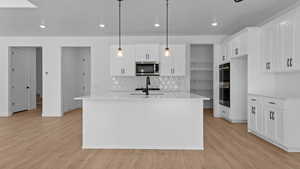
(75, 76)
(202, 60)
(26, 79)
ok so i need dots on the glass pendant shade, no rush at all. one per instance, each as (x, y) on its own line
(167, 52)
(120, 52)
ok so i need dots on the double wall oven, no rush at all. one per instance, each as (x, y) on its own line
(224, 82)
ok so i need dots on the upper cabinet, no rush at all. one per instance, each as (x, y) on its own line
(225, 52)
(175, 64)
(239, 44)
(287, 43)
(147, 53)
(270, 53)
(279, 40)
(125, 65)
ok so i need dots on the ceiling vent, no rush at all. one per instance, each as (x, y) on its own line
(16, 4)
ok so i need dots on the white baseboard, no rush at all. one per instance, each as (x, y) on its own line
(5, 114)
(123, 147)
(284, 147)
(236, 120)
(52, 115)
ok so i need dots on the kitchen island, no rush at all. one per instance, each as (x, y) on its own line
(120, 120)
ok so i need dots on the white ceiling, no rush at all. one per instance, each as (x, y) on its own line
(16, 4)
(187, 17)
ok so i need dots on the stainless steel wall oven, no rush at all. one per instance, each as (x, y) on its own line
(224, 84)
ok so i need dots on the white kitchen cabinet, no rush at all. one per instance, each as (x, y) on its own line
(275, 120)
(287, 43)
(174, 65)
(225, 52)
(270, 52)
(125, 65)
(255, 115)
(147, 52)
(279, 40)
(239, 44)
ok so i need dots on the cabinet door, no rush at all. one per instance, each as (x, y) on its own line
(235, 48)
(175, 64)
(243, 47)
(153, 53)
(287, 43)
(141, 54)
(278, 119)
(224, 53)
(252, 117)
(296, 59)
(179, 59)
(270, 48)
(147, 52)
(269, 124)
(123, 66)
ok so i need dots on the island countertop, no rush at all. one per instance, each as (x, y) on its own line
(141, 96)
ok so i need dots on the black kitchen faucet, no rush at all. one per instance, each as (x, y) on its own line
(146, 90)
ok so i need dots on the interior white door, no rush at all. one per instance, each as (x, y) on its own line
(22, 78)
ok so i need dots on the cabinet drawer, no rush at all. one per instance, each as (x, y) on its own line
(253, 99)
(273, 102)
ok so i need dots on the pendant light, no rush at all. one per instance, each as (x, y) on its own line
(120, 50)
(167, 49)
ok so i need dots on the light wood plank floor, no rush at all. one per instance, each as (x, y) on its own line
(28, 141)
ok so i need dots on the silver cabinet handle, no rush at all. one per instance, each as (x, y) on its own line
(272, 103)
(291, 62)
(253, 99)
(288, 62)
(253, 110)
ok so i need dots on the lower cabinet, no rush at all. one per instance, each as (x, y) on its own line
(275, 120)
(273, 124)
(255, 115)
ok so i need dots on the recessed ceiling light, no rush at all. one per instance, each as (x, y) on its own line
(42, 26)
(156, 25)
(101, 25)
(215, 24)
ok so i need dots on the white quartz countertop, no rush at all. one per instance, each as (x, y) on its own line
(141, 96)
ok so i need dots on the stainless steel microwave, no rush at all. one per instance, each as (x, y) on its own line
(147, 69)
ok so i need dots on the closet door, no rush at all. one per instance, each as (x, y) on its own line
(22, 79)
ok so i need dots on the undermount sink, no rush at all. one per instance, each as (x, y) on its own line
(151, 94)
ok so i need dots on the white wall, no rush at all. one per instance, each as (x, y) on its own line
(100, 63)
(287, 84)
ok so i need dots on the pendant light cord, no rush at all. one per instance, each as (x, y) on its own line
(167, 26)
(119, 24)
